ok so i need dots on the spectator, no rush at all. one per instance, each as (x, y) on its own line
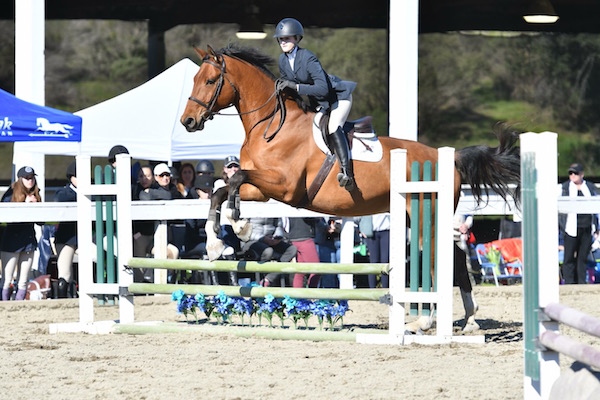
(143, 231)
(164, 190)
(462, 231)
(186, 184)
(327, 240)
(577, 230)
(175, 178)
(205, 167)
(376, 230)
(112, 154)
(195, 235)
(231, 165)
(267, 243)
(203, 186)
(18, 239)
(66, 237)
(301, 234)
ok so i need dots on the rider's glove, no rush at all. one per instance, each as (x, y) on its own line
(284, 83)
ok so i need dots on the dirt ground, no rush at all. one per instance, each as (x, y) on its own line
(36, 364)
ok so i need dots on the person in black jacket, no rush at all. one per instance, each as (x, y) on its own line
(18, 239)
(301, 71)
(143, 231)
(65, 237)
(577, 230)
(163, 190)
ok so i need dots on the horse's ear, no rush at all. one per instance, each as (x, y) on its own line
(212, 53)
(201, 53)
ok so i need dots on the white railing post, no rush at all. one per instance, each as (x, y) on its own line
(444, 241)
(86, 250)
(544, 147)
(124, 237)
(397, 278)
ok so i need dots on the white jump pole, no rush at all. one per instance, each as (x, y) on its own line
(544, 147)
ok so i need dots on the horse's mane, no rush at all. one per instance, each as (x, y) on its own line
(250, 55)
(262, 62)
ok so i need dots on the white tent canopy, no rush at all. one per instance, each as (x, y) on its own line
(146, 121)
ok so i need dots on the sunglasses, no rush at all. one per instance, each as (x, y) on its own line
(165, 174)
(573, 173)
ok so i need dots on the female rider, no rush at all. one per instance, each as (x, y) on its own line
(301, 71)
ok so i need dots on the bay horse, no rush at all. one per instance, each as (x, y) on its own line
(279, 158)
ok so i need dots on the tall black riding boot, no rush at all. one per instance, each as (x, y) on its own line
(63, 288)
(340, 146)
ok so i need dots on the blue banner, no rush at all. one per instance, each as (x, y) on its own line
(22, 121)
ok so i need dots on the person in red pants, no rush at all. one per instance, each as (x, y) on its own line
(301, 233)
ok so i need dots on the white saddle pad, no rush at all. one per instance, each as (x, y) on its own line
(360, 152)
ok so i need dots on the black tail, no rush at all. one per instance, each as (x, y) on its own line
(485, 168)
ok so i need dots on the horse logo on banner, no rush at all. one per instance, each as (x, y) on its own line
(52, 129)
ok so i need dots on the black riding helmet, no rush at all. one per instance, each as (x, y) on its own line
(118, 149)
(289, 27)
(205, 166)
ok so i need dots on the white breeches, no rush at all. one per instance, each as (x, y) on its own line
(65, 261)
(339, 114)
(20, 261)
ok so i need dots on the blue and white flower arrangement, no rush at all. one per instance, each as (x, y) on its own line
(223, 307)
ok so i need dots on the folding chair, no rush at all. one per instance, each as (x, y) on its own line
(491, 270)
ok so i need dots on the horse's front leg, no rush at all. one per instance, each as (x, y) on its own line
(260, 186)
(214, 245)
(241, 227)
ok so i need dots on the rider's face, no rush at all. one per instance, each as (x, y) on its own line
(287, 43)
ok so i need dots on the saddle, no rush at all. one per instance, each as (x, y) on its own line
(361, 125)
(359, 128)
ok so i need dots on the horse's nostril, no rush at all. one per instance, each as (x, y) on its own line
(189, 122)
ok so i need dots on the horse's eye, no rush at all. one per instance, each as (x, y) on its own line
(210, 81)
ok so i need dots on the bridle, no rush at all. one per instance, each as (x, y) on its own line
(209, 113)
(213, 100)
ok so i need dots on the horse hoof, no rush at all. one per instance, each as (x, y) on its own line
(214, 250)
(245, 230)
(419, 326)
(470, 327)
(232, 214)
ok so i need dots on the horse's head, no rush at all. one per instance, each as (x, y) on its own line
(210, 93)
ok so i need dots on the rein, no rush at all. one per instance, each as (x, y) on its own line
(279, 104)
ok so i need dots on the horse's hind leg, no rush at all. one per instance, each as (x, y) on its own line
(461, 275)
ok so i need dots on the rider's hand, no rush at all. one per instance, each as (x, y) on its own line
(284, 83)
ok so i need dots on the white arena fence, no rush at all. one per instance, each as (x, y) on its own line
(542, 311)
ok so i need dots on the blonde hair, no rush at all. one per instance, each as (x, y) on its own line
(20, 192)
